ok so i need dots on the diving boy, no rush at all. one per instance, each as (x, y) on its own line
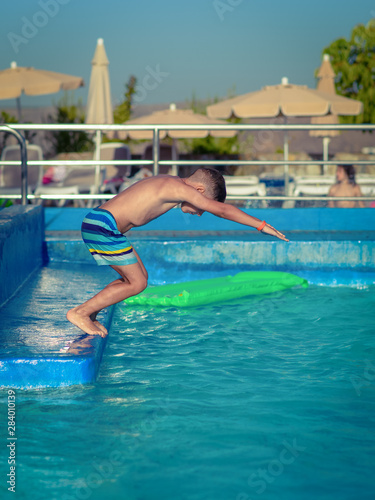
(104, 228)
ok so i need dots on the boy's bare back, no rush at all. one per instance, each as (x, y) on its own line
(145, 200)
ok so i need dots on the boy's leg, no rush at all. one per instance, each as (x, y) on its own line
(94, 314)
(133, 280)
(121, 280)
(141, 263)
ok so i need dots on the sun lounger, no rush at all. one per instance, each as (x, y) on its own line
(78, 180)
(245, 185)
(367, 184)
(320, 186)
(115, 174)
(10, 175)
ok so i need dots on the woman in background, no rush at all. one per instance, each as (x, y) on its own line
(345, 186)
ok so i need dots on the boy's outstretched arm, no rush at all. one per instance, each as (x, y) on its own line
(224, 210)
(233, 213)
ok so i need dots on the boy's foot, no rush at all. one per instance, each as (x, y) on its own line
(101, 327)
(97, 323)
(84, 322)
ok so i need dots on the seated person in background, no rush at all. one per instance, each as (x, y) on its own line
(345, 186)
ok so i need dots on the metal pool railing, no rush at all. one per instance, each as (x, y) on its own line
(22, 143)
(15, 129)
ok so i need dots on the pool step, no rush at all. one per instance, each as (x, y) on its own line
(39, 347)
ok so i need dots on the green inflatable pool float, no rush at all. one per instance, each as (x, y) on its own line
(201, 292)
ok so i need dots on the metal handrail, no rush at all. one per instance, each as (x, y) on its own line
(224, 126)
(108, 196)
(22, 143)
(189, 162)
(156, 128)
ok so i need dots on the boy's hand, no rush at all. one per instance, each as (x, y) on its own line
(273, 232)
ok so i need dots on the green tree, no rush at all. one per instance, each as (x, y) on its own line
(67, 141)
(353, 61)
(213, 145)
(122, 112)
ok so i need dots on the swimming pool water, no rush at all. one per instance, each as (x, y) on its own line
(268, 397)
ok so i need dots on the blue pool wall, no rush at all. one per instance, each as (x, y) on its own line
(294, 219)
(327, 239)
(21, 246)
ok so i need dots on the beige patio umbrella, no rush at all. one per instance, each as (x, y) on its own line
(285, 100)
(326, 83)
(16, 81)
(174, 116)
(99, 105)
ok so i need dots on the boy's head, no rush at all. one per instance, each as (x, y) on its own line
(213, 182)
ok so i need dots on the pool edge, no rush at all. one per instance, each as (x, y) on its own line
(80, 364)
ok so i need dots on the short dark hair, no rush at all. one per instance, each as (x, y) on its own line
(214, 181)
(350, 172)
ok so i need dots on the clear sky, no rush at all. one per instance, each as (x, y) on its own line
(176, 47)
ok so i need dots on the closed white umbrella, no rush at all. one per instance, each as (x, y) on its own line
(99, 104)
(326, 83)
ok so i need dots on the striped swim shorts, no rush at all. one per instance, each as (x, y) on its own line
(106, 244)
